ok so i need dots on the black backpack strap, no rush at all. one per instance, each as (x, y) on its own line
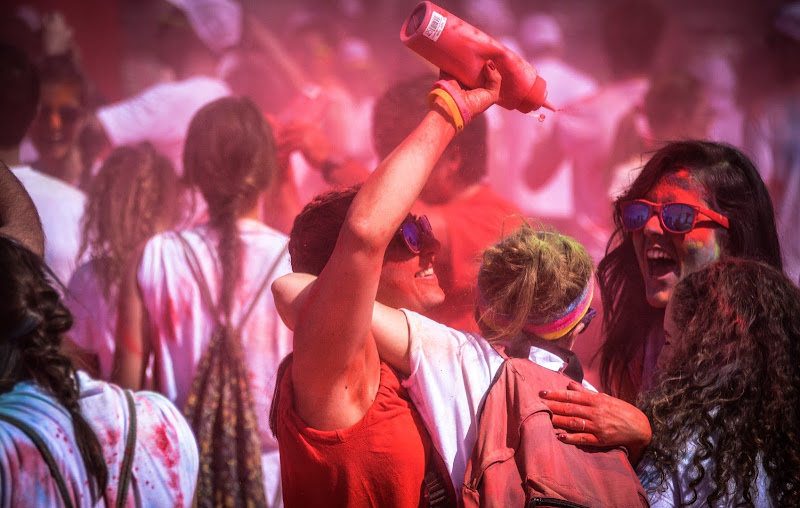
(48, 457)
(126, 471)
(439, 487)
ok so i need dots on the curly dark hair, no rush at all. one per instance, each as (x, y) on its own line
(33, 321)
(132, 197)
(732, 386)
(732, 186)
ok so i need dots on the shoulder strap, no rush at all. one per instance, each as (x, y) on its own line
(197, 273)
(48, 457)
(126, 471)
(262, 287)
(194, 266)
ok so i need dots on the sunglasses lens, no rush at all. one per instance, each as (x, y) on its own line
(69, 114)
(425, 225)
(635, 215)
(677, 217)
(587, 319)
(411, 235)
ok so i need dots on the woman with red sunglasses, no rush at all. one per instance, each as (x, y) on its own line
(693, 203)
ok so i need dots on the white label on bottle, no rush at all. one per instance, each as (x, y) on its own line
(435, 26)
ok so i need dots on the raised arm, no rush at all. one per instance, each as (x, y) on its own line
(336, 369)
(389, 327)
(18, 216)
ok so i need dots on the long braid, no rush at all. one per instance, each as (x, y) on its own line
(33, 321)
(229, 249)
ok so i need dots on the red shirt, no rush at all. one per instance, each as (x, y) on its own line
(379, 461)
(474, 223)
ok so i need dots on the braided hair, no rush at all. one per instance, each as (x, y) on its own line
(231, 156)
(33, 321)
(131, 198)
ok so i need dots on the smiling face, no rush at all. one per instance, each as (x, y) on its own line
(58, 123)
(665, 258)
(408, 280)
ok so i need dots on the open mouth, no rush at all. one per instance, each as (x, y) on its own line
(424, 273)
(660, 262)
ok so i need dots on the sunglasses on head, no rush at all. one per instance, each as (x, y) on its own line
(675, 217)
(587, 319)
(414, 231)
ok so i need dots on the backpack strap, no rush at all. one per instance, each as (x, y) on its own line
(194, 267)
(197, 273)
(48, 457)
(126, 471)
(262, 287)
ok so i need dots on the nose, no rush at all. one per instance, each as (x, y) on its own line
(53, 119)
(653, 225)
(430, 245)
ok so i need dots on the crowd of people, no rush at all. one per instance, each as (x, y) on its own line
(209, 297)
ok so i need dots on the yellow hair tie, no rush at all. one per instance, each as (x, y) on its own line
(455, 113)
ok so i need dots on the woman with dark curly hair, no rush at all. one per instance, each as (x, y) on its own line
(693, 203)
(725, 413)
(132, 197)
(65, 437)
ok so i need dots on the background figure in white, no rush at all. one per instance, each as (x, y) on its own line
(191, 36)
(132, 197)
(59, 205)
(512, 135)
(726, 116)
(585, 129)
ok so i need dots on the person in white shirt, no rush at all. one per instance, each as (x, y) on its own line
(724, 413)
(132, 197)
(64, 437)
(183, 286)
(60, 206)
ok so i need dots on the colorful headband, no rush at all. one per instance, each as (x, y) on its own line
(560, 325)
(553, 327)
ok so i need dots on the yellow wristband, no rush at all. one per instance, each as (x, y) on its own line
(455, 113)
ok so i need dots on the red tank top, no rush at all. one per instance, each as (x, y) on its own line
(379, 461)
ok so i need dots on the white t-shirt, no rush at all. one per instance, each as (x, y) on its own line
(165, 462)
(60, 208)
(161, 114)
(182, 326)
(451, 371)
(94, 318)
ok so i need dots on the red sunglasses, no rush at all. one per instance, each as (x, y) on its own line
(676, 218)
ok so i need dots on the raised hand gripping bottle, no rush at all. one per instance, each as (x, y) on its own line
(460, 49)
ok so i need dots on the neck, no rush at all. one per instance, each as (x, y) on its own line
(10, 156)
(67, 168)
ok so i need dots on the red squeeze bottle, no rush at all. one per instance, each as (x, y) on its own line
(460, 49)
